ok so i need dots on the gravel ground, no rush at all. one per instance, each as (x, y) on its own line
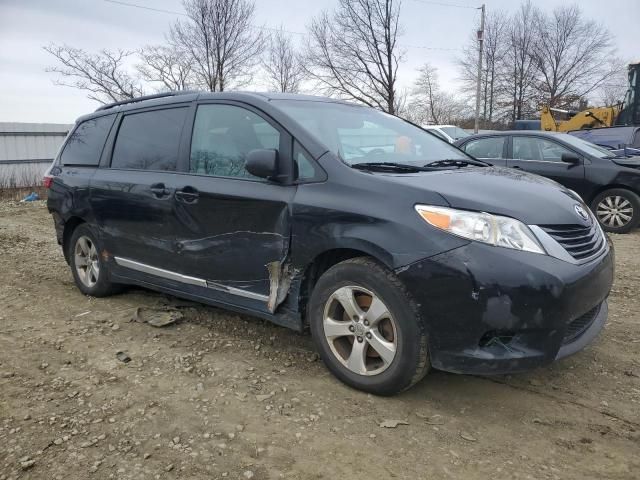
(218, 395)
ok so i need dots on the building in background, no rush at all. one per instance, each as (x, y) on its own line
(27, 150)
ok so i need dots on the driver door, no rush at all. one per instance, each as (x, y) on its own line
(233, 229)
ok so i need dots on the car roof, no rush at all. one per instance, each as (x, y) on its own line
(528, 133)
(169, 98)
(438, 126)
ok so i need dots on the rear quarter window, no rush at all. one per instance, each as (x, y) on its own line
(84, 146)
(149, 140)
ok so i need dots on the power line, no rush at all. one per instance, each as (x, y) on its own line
(143, 7)
(272, 29)
(173, 12)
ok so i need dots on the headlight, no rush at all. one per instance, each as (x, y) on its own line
(482, 227)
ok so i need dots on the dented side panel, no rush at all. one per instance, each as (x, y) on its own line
(236, 235)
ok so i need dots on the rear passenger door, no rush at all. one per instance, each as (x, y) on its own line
(132, 195)
(490, 149)
(233, 228)
(543, 156)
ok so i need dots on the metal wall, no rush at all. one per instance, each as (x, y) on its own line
(27, 150)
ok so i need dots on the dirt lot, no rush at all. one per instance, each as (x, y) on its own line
(219, 395)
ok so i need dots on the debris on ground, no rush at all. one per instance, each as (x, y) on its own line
(32, 197)
(157, 316)
(468, 437)
(123, 357)
(393, 423)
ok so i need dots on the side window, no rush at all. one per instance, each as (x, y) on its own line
(149, 140)
(303, 165)
(531, 148)
(490, 147)
(222, 137)
(84, 146)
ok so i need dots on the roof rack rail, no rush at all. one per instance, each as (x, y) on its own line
(145, 97)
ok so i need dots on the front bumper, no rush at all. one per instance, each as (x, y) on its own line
(491, 310)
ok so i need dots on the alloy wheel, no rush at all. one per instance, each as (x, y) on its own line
(360, 330)
(86, 261)
(614, 211)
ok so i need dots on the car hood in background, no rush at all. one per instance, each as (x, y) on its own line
(631, 162)
(529, 198)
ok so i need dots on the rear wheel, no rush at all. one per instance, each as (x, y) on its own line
(89, 269)
(367, 329)
(617, 210)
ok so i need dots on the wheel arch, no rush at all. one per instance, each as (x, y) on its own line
(322, 262)
(70, 225)
(612, 186)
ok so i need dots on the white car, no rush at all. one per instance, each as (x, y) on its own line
(450, 133)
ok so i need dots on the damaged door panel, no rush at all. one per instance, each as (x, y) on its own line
(238, 243)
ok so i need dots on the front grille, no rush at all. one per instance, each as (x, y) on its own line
(579, 241)
(580, 325)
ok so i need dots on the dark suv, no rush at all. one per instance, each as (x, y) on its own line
(397, 250)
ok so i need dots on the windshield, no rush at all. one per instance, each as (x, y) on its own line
(587, 147)
(364, 135)
(455, 132)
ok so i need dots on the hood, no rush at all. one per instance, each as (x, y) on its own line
(513, 193)
(630, 162)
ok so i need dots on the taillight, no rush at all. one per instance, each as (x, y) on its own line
(47, 181)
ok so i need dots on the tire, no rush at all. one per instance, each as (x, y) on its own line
(388, 334)
(93, 280)
(617, 210)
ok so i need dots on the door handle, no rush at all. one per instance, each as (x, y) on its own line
(187, 195)
(159, 190)
(517, 167)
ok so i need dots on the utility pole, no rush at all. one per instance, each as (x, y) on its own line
(479, 81)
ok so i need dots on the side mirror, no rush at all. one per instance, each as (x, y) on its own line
(262, 163)
(570, 158)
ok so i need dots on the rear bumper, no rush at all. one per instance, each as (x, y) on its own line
(491, 310)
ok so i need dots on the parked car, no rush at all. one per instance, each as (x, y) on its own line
(613, 138)
(450, 133)
(608, 182)
(396, 259)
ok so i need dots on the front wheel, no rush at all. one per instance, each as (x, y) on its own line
(617, 210)
(367, 329)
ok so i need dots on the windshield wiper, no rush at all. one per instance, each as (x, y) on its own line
(457, 162)
(398, 167)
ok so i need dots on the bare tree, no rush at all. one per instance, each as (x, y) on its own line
(613, 89)
(168, 66)
(518, 72)
(429, 104)
(220, 40)
(570, 55)
(353, 52)
(283, 65)
(496, 38)
(104, 75)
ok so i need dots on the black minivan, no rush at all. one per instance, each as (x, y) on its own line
(395, 249)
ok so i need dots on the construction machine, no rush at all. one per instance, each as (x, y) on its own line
(624, 114)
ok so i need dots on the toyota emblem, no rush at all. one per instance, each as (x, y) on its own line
(582, 213)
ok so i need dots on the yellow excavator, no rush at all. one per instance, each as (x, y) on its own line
(590, 118)
(624, 114)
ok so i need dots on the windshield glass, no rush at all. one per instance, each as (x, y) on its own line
(363, 135)
(587, 147)
(455, 132)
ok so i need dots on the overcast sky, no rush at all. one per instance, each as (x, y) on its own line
(28, 94)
